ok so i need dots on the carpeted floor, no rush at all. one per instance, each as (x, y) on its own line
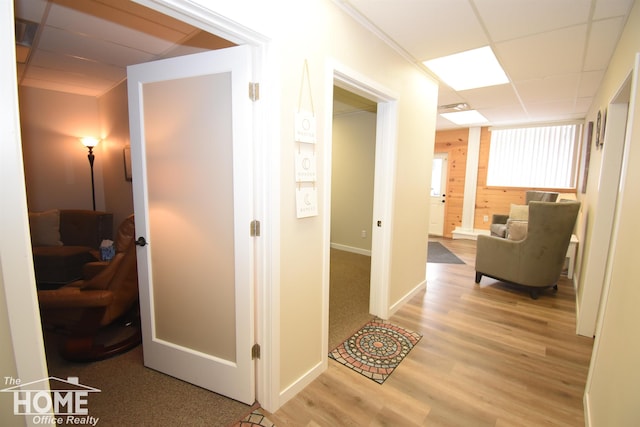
(376, 349)
(349, 289)
(437, 253)
(132, 395)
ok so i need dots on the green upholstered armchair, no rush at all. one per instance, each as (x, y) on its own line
(537, 261)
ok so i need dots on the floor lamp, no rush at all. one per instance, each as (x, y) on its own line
(91, 142)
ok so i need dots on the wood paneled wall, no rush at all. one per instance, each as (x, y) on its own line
(489, 200)
(454, 143)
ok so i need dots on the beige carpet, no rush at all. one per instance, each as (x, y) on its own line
(132, 395)
(348, 295)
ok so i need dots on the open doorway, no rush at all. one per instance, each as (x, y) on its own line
(594, 280)
(118, 161)
(438, 194)
(352, 191)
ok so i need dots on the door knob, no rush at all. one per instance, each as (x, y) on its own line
(141, 241)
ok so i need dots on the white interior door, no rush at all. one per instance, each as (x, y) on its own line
(190, 120)
(438, 190)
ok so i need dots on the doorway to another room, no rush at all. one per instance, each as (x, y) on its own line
(438, 194)
(353, 170)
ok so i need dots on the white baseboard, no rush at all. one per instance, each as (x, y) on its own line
(587, 410)
(351, 249)
(395, 307)
(306, 379)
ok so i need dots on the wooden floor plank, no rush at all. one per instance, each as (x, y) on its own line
(489, 356)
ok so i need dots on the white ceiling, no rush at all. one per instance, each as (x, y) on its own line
(555, 52)
(84, 46)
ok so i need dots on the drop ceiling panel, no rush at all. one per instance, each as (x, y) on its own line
(130, 8)
(589, 83)
(506, 114)
(602, 41)
(60, 80)
(506, 21)
(610, 8)
(71, 64)
(543, 55)
(115, 26)
(424, 28)
(551, 88)
(493, 96)
(556, 110)
(63, 42)
(31, 10)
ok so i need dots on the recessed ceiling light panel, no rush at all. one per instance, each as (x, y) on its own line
(469, 70)
(471, 117)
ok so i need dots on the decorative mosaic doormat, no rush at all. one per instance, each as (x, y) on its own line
(376, 349)
(255, 419)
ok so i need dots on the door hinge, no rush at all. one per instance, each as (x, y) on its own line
(255, 351)
(255, 228)
(254, 91)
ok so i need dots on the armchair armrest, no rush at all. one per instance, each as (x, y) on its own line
(92, 269)
(495, 254)
(73, 298)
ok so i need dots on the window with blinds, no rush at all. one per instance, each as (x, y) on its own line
(538, 157)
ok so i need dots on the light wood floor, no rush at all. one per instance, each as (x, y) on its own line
(490, 356)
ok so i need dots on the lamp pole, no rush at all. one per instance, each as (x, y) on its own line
(91, 158)
(91, 142)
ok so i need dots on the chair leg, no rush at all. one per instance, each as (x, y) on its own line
(478, 277)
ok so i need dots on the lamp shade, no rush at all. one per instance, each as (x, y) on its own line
(89, 141)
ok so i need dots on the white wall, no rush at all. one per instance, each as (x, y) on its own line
(613, 386)
(56, 165)
(319, 32)
(114, 124)
(353, 153)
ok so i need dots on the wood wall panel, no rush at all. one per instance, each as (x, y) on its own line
(489, 200)
(455, 144)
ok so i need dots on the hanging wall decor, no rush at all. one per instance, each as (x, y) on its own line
(305, 157)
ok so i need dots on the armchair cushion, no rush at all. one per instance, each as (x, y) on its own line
(45, 228)
(519, 212)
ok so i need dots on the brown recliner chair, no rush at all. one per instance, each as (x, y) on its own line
(87, 311)
(537, 261)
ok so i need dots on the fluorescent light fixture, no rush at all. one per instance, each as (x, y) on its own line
(469, 70)
(470, 117)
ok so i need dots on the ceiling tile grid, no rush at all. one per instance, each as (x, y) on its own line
(555, 52)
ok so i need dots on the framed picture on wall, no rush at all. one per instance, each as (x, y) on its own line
(126, 151)
(586, 156)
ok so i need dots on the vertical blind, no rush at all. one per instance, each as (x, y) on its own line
(540, 157)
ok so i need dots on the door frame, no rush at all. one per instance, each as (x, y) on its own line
(384, 189)
(21, 301)
(266, 155)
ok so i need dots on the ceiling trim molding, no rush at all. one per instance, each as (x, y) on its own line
(371, 27)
